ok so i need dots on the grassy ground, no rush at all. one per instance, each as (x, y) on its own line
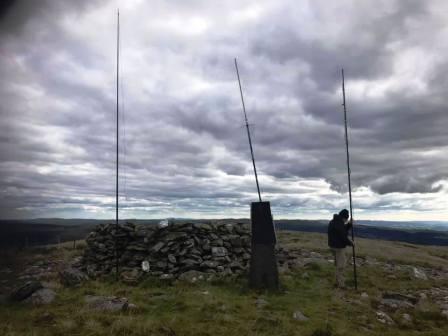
(229, 308)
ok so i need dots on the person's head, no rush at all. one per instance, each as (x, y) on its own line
(344, 215)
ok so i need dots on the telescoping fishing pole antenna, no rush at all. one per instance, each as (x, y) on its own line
(263, 272)
(349, 178)
(116, 177)
(248, 130)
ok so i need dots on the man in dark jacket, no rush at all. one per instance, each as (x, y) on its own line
(338, 229)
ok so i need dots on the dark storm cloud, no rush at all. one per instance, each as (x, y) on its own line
(183, 144)
(15, 15)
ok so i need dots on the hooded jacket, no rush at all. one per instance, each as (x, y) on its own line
(338, 233)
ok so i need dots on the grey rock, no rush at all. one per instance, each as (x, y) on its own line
(188, 243)
(51, 284)
(261, 303)
(172, 236)
(161, 264)
(158, 246)
(192, 276)
(445, 313)
(42, 296)
(384, 318)
(227, 272)
(188, 262)
(236, 265)
(400, 297)
(195, 253)
(137, 248)
(172, 259)
(106, 303)
(364, 296)
(219, 251)
(313, 260)
(235, 240)
(72, 277)
(238, 250)
(393, 304)
(132, 307)
(76, 262)
(298, 316)
(204, 227)
(246, 256)
(406, 319)
(209, 264)
(131, 277)
(24, 291)
(284, 269)
(217, 242)
(419, 274)
(423, 296)
(166, 276)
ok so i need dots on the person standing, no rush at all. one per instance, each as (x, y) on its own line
(338, 240)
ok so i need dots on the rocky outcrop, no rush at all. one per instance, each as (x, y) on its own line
(72, 277)
(25, 290)
(33, 292)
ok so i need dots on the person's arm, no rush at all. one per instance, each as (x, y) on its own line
(342, 232)
(349, 225)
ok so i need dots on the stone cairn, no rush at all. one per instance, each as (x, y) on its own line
(170, 251)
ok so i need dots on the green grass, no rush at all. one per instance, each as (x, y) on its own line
(229, 307)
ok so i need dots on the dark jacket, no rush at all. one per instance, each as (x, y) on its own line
(338, 233)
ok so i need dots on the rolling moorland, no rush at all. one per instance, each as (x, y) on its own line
(403, 290)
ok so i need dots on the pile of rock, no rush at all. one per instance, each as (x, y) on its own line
(169, 251)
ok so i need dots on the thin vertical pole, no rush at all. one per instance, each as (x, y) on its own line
(349, 178)
(116, 176)
(248, 131)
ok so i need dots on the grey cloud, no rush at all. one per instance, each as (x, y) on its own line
(186, 147)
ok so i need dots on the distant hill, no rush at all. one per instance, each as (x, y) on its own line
(53, 230)
(384, 232)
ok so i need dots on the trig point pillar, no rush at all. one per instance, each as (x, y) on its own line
(263, 264)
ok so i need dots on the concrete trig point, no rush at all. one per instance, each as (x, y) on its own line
(263, 263)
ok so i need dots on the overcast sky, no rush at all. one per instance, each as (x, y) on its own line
(184, 149)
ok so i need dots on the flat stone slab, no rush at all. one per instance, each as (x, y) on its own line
(106, 303)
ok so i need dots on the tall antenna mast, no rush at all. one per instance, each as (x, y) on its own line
(248, 131)
(349, 178)
(116, 180)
